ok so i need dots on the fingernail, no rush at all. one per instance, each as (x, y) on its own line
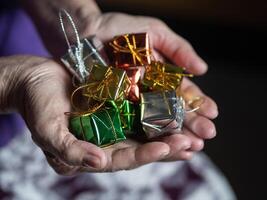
(214, 133)
(186, 146)
(204, 65)
(214, 113)
(91, 161)
(164, 154)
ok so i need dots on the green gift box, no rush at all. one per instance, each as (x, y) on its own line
(107, 83)
(127, 114)
(102, 128)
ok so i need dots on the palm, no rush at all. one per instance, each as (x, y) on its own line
(48, 102)
(48, 98)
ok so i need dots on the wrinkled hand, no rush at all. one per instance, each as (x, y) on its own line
(46, 88)
(47, 100)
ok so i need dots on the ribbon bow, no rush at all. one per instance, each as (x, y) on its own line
(101, 91)
(138, 53)
(159, 76)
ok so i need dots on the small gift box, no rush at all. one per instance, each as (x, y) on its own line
(127, 114)
(106, 83)
(92, 52)
(161, 76)
(161, 112)
(130, 50)
(102, 128)
(134, 74)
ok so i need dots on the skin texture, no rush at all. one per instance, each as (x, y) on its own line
(39, 89)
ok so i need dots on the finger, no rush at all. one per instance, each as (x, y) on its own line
(177, 143)
(182, 155)
(197, 143)
(176, 49)
(80, 153)
(200, 126)
(191, 144)
(186, 155)
(135, 156)
(208, 108)
(56, 139)
(158, 56)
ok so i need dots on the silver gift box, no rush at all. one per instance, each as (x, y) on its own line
(161, 112)
(92, 53)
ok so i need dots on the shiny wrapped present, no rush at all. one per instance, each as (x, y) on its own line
(104, 83)
(92, 52)
(130, 50)
(102, 128)
(134, 74)
(127, 115)
(161, 76)
(161, 112)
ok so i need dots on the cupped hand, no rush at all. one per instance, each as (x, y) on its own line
(40, 88)
(48, 99)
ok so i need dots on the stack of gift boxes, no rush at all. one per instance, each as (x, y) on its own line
(124, 92)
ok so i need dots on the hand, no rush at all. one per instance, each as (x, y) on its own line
(68, 155)
(39, 88)
(164, 42)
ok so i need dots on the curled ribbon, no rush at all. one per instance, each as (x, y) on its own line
(138, 53)
(158, 77)
(76, 51)
(100, 91)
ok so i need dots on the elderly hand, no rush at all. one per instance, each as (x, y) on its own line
(48, 99)
(39, 89)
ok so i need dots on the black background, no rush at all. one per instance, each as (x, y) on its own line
(236, 55)
(237, 80)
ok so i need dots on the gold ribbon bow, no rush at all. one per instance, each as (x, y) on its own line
(138, 53)
(158, 76)
(100, 91)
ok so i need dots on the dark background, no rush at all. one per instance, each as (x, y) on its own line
(232, 37)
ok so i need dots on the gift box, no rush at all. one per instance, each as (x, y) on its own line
(106, 83)
(135, 75)
(92, 52)
(161, 76)
(161, 112)
(102, 128)
(130, 50)
(127, 115)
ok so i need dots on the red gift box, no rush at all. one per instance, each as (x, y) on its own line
(130, 50)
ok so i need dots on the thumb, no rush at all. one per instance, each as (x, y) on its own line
(45, 102)
(74, 152)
